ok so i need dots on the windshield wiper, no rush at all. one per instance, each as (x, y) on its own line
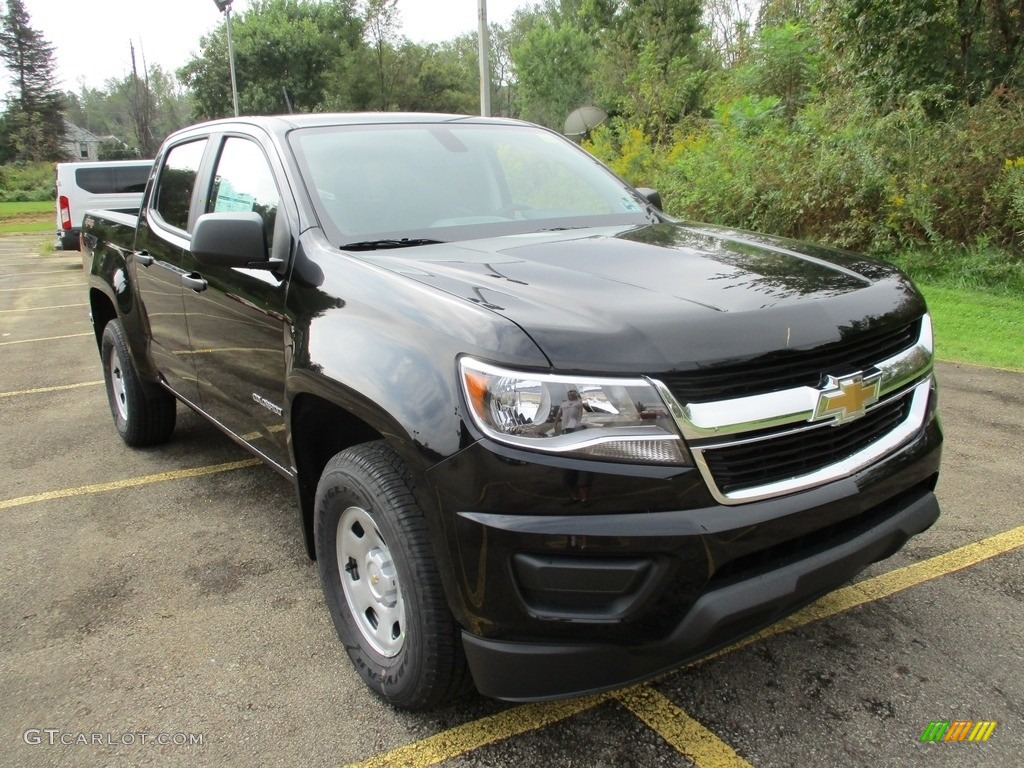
(373, 245)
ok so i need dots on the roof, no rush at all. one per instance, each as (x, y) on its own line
(74, 133)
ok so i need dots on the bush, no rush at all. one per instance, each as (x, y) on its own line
(839, 172)
(979, 266)
(27, 182)
(627, 150)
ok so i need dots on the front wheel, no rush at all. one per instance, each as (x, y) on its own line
(143, 414)
(381, 581)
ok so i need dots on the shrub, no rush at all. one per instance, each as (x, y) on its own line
(27, 182)
(841, 173)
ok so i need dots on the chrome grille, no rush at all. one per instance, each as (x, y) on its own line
(772, 443)
(788, 369)
(771, 460)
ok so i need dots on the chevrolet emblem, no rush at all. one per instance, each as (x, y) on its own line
(847, 398)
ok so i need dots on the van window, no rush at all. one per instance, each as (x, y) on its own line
(174, 190)
(113, 181)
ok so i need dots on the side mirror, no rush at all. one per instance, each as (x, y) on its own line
(653, 196)
(231, 240)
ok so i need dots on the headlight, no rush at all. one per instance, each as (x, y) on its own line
(609, 419)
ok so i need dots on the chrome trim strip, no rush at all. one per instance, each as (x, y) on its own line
(776, 409)
(907, 374)
(798, 429)
(849, 466)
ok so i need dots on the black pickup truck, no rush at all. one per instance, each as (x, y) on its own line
(545, 438)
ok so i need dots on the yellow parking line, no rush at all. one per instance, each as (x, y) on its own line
(457, 741)
(28, 274)
(131, 482)
(40, 309)
(887, 584)
(45, 338)
(703, 748)
(479, 733)
(41, 390)
(41, 287)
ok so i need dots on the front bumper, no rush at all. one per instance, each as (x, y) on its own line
(541, 670)
(559, 598)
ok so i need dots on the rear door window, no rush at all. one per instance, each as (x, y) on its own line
(177, 182)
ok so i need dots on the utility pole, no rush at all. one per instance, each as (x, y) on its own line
(485, 62)
(225, 7)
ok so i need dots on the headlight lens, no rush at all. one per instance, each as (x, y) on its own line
(609, 419)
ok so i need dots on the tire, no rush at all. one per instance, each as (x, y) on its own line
(381, 580)
(143, 413)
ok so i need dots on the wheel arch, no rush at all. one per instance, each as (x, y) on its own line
(102, 310)
(321, 428)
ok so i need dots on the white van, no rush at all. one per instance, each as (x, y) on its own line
(113, 185)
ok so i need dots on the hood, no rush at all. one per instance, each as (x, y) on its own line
(666, 297)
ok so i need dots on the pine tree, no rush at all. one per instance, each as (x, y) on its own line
(34, 121)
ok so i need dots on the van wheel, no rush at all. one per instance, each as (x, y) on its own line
(143, 414)
(381, 581)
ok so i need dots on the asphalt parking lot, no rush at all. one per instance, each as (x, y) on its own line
(158, 607)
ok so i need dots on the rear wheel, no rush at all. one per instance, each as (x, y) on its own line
(143, 413)
(381, 580)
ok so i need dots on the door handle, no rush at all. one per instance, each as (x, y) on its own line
(193, 281)
(143, 258)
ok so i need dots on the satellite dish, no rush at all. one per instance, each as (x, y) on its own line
(583, 120)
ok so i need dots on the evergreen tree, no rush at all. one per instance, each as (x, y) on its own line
(34, 120)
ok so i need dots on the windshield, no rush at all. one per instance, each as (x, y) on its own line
(444, 182)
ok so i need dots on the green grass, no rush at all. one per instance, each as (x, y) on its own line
(978, 327)
(981, 267)
(27, 217)
(12, 209)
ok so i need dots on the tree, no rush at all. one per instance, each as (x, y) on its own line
(554, 62)
(300, 48)
(142, 109)
(34, 120)
(381, 22)
(653, 67)
(437, 77)
(149, 103)
(731, 25)
(937, 52)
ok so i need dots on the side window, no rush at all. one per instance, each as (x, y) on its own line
(178, 178)
(244, 182)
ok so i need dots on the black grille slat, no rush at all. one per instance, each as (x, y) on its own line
(739, 467)
(789, 369)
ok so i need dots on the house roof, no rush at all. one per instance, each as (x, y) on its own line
(74, 133)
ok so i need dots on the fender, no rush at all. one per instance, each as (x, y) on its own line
(109, 256)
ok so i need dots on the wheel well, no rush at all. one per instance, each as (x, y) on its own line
(320, 429)
(102, 311)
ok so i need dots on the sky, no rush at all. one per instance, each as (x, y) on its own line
(92, 37)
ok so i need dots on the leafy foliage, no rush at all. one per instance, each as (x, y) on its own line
(554, 61)
(285, 51)
(139, 110)
(914, 156)
(25, 182)
(951, 51)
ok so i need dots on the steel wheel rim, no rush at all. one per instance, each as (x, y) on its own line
(118, 390)
(369, 580)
